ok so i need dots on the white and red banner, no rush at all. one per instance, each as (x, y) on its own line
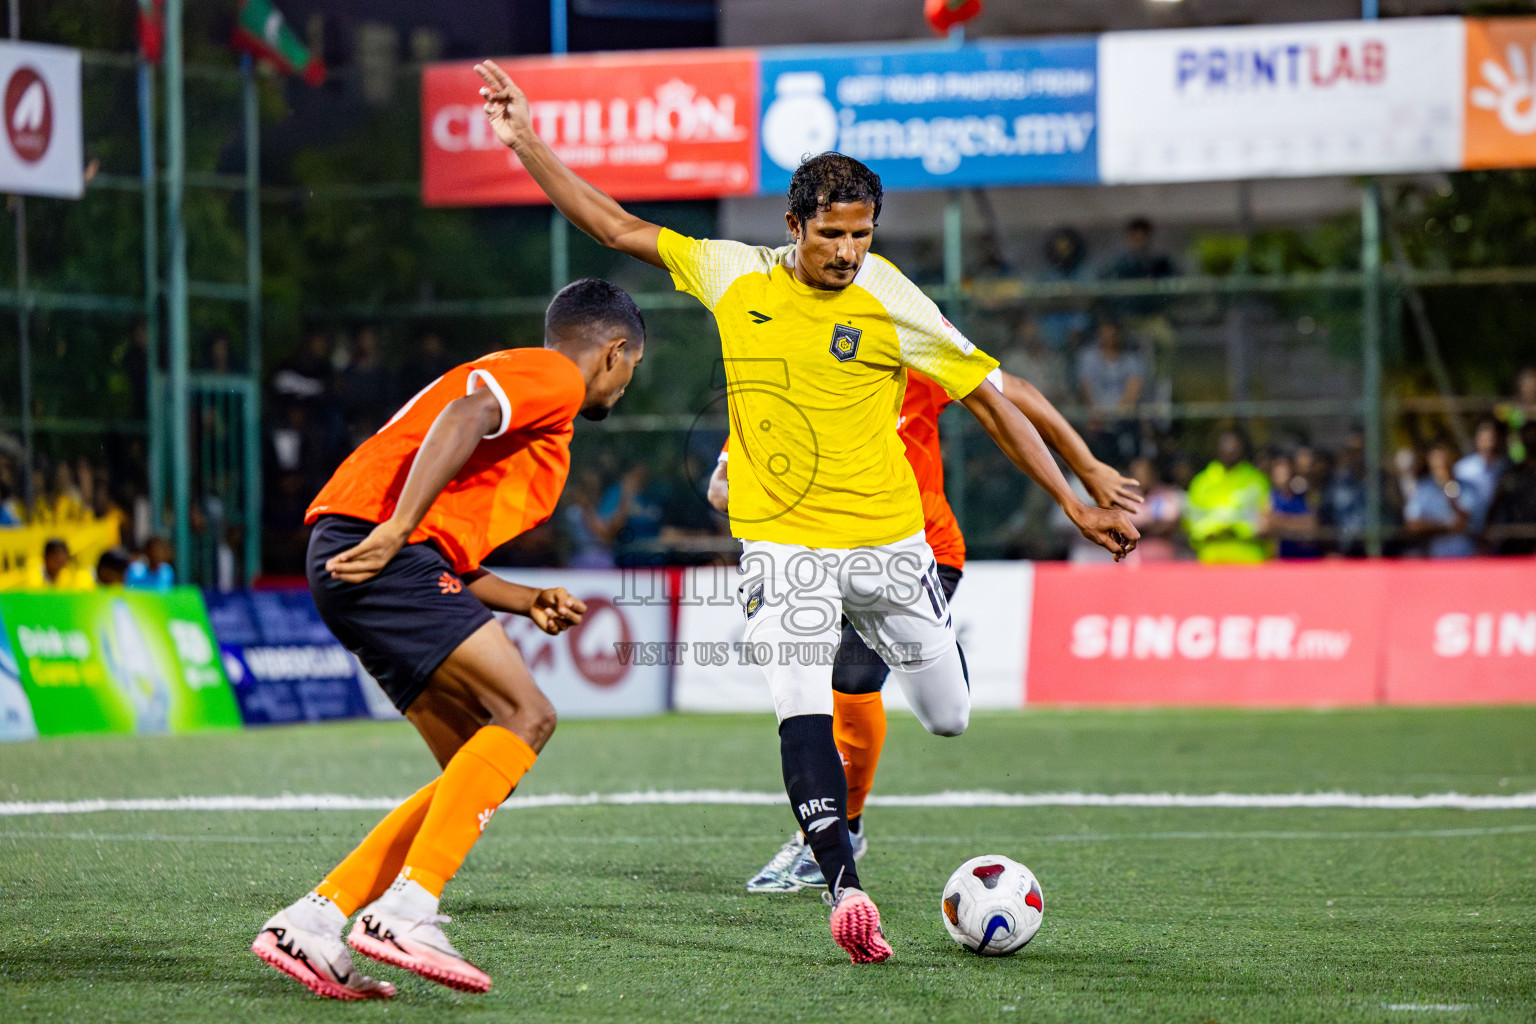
(41, 153)
(591, 670)
(1195, 634)
(670, 124)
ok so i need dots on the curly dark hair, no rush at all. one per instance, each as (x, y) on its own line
(591, 302)
(832, 178)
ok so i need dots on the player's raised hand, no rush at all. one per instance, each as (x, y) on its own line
(555, 610)
(505, 105)
(368, 558)
(1110, 529)
(1112, 490)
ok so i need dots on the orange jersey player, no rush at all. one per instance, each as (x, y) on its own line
(479, 456)
(858, 674)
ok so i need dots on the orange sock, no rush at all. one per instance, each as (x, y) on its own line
(858, 726)
(478, 778)
(369, 869)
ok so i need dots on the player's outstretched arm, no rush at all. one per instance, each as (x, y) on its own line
(1111, 529)
(1109, 488)
(448, 445)
(589, 209)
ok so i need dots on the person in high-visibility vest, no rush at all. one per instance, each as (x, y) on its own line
(1227, 501)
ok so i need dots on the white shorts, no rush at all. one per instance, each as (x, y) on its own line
(794, 598)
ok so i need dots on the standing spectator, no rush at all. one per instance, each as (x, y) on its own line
(1065, 261)
(590, 543)
(219, 355)
(1162, 509)
(1111, 380)
(427, 361)
(1512, 516)
(136, 368)
(112, 567)
(1291, 518)
(1227, 503)
(58, 571)
(1138, 262)
(1435, 513)
(11, 512)
(1478, 473)
(1518, 411)
(631, 512)
(364, 390)
(1030, 358)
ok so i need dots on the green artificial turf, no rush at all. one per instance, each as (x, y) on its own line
(617, 913)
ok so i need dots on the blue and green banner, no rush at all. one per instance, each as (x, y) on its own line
(110, 660)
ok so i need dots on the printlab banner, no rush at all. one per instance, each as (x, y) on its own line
(283, 663)
(111, 661)
(41, 153)
(639, 125)
(1281, 101)
(935, 117)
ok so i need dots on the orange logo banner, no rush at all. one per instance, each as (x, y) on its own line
(1500, 93)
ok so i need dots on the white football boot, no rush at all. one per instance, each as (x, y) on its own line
(303, 941)
(774, 876)
(403, 928)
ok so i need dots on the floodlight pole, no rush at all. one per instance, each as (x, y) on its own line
(251, 423)
(176, 291)
(154, 398)
(23, 317)
(1370, 338)
(559, 228)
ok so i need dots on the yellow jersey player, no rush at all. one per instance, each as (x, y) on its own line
(817, 337)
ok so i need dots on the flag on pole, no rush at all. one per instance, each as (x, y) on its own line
(263, 32)
(151, 29)
(946, 14)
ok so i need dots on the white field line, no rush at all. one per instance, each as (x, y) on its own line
(722, 839)
(732, 797)
(1428, 1007)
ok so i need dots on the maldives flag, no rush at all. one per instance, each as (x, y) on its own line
(151, 29)
(263, 32)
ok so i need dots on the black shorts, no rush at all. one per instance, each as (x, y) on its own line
(403, 622)
(856, 668)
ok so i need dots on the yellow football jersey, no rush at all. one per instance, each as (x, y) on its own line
(814, 381)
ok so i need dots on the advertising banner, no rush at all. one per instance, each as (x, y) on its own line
(1286, 635)
(991, 611)
(670, 124)
(1281, 101)
(1461, 633)
(608, 666)
(994, 113)
(117, 661)
(41, 154)
(283, 663)
(1500, 93)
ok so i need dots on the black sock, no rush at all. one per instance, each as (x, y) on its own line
(856, 825)
(818, 795)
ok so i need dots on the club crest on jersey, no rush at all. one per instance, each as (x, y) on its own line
(754, 600)
(845, 342)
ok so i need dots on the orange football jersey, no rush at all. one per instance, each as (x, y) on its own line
(918, 426)
(509, 485)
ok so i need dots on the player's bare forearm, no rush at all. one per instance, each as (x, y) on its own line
(1016, 435)
(1108, 487)
(1021, 442)
(719, 493)
(448, 445)
(590, 209)
(498, 594)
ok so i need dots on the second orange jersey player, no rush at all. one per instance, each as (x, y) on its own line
(479, 456)
(858, 674)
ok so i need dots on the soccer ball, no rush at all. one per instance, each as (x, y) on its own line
(992, 905)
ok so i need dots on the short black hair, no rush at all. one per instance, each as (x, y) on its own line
(1141, 224)
(589, 303)
(53, 544)
(832, 178)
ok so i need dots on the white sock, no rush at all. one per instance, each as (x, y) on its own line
(316, 913)
(406, 898)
